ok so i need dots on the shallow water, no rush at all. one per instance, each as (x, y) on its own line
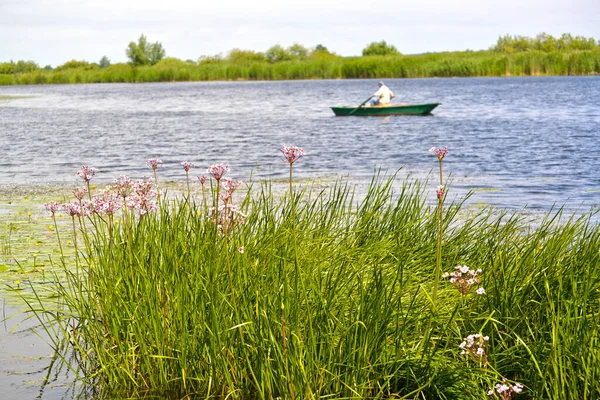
(515, 141)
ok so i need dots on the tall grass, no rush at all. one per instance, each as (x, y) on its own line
(453, 64)
(167, 304)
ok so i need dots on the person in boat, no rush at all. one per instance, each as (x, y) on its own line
(382, 96)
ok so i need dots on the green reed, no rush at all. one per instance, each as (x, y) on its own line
(167, 305)
(451, 64)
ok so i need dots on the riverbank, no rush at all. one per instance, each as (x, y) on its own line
(442, 65)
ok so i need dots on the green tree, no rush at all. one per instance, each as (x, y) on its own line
(18, 67)
(144, 53)
(237, 56)
(104, 62)
(380, 49)
(277, 54)
(76, 64)
(322, 48)
(297, 51)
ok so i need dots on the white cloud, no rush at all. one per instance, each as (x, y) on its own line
(54, 31)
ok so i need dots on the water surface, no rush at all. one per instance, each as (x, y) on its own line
(515, 141)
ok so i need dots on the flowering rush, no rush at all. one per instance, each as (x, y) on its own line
(154, 163)
(86, 173)
(474, 347)
(79, 192)
(202, 179)
(52, 207)
(227, 217)
(292, 153)
(505, 390)
(187, 165)
(440, 192)
(218, 170)
(106, 202)
(440, 153)
(142, 201)
(463, 278)
(74, 209)
(123, 186)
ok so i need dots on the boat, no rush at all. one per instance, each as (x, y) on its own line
(383, 110)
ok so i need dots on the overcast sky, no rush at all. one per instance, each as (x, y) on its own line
(55, 31)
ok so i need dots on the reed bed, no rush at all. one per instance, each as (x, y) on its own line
(452, 64)
(321, 294)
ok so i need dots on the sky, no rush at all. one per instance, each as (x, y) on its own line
(52, 32)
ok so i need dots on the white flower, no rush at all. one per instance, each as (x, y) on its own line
(480, 291)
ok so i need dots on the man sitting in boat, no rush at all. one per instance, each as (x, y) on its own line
(382, 96)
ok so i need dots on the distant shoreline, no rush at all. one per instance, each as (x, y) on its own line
(432, 65)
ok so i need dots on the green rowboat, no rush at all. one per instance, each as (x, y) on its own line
(388, 109)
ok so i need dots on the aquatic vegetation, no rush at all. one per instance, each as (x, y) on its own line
(440, 192)
(317, 293)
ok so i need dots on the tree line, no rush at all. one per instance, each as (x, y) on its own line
(147, 62)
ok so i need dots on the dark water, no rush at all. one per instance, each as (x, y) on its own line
(515, 141)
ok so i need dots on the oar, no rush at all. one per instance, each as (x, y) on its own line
(361, 104)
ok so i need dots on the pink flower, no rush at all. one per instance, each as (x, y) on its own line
(463, 278)
(106, 202)
(292, 153)
(241, 250)
(52, 207)
(74, 209)
(505, 390)
(218, 170)
(187, 165)
(79, 192)
(440, 153)
(440, 192)
(143, 199)
(202, 179)
(474, 347)
(86, 173)
(154, 163)
(230, 186)
(123, 186)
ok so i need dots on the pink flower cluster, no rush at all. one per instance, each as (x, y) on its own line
(505, 390)
(52, 207)
(440, 191)
(227, 217)
(79, 193)
(217, 171)
(440, 153)
(474, 347)
(187, 165)
(292, 153)
(107, 202)
(143, 199)
(122, 186)
(228, 187)
(202, 179)
(154, 163)
(75, 209)
(463, 278)
(86, 173)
